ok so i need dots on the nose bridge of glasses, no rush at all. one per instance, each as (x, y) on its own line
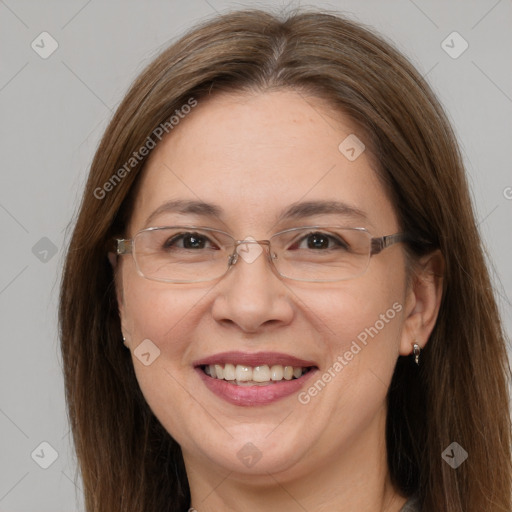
(237, 243)
(251, 241)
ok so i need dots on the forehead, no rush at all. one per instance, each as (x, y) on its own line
(254, 154)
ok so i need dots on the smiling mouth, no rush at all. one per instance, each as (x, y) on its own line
(262, 375)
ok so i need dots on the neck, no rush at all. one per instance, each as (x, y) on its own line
(354, 477)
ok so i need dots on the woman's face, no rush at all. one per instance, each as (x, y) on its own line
(253, 156)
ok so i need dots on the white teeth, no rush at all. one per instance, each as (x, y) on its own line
(297, 371)
(262, 373)
(219, 371)
(276, 372)
(248, 375)
(243, 373)
(229, 372)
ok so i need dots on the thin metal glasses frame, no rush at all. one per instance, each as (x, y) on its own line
(377, 244)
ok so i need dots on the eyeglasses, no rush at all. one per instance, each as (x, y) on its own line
(190, 254)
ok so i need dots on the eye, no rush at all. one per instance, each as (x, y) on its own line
(187, 241)
(319, 241)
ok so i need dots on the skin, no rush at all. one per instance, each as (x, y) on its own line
(254, 154)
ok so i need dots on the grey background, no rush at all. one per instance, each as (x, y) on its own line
(54, 111)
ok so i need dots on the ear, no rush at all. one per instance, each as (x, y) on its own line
(112, 257)
(118, 283)
(423, 300)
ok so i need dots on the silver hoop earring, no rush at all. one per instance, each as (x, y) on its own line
(416, 352)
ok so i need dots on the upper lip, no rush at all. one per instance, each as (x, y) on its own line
(254, 359)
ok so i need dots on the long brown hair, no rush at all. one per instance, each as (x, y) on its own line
(128, 461)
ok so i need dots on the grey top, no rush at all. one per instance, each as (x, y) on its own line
(412, 505)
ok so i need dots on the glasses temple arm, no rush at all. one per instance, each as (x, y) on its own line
(124, 246)
(379, 244)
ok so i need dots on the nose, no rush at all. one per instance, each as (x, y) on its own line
(252, 295)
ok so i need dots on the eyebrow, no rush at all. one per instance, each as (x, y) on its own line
(295, 211)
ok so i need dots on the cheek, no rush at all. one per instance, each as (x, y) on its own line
(368, 335)
(361, 312)
(161, 314)
(362, 322)
(361, 346)
(161, 322)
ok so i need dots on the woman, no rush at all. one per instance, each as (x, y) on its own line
(278, 226)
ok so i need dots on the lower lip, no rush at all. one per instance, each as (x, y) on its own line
(254, 395)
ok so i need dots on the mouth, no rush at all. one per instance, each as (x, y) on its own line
(254, 379)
